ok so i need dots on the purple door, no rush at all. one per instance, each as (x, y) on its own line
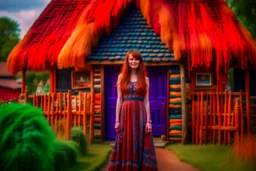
(111, 74)
(157, 96)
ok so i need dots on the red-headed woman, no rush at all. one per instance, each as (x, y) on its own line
(134, 148)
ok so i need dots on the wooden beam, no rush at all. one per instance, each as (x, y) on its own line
(51, 81)
(247, 80)
(167, 105)
(184, 104)
(92, 105)
(54, 78)
(23, 82)
(102, 103)
(69, 114)
(247, 92)
(53, 72)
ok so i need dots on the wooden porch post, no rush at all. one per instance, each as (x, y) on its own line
(184, 104)
(247, 94)
(167, 106)
(221, 81)
(53, 80)
(102, 101)
(236, 113)
(23, 81)
(69, 115)
(92, 107)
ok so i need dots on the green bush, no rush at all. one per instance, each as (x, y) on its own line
(74, 144)
(27, 141)
(65, 154)
(78, 136)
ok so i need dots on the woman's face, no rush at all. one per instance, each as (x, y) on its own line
(133, 62)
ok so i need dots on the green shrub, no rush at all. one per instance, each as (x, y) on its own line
(27, 141)
(78, 136)
(65, 154)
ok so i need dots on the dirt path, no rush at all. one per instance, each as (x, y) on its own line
(167, 161)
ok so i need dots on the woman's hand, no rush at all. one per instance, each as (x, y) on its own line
(148, 127)
(117, 126)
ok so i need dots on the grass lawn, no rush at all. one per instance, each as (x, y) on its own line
(96, 158)
(209, 157)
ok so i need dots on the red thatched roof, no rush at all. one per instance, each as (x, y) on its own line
(39, 48)
(197, 27)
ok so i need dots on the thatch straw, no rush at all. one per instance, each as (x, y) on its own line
(78, 46)
(14, 59)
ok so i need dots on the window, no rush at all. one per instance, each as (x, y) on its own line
(203, 79)
(81, 79)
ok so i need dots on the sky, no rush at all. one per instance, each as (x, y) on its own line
(25, 12)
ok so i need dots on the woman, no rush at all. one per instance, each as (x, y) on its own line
(134, 147)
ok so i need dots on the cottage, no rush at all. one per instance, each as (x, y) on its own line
(9, 87)
(188, 46)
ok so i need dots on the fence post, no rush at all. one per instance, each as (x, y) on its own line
(197, 116)
(247, 96)
(26, 95)
(237, 118)
(91, 120)
(218, 94)
(193, 117)
(248, 114)
(23, 81)
(85, 113)
(229, 116)
(184, 105)
(80, 108)
(69, 115)
(241, 114)
(201, 115)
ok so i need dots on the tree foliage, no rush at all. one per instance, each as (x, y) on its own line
(33, 78)
(9, 36)
(245, 10)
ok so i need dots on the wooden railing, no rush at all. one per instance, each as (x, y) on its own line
(219, 116)
(64, 111)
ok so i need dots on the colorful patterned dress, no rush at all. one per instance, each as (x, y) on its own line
(133, 148)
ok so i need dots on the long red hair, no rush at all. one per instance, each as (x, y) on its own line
(141, 86)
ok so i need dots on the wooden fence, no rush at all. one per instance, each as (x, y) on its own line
(64, 111)
(219, 116)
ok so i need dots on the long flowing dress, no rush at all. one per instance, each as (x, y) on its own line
(133, 148)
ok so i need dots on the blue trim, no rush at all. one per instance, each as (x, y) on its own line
(175, 116)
